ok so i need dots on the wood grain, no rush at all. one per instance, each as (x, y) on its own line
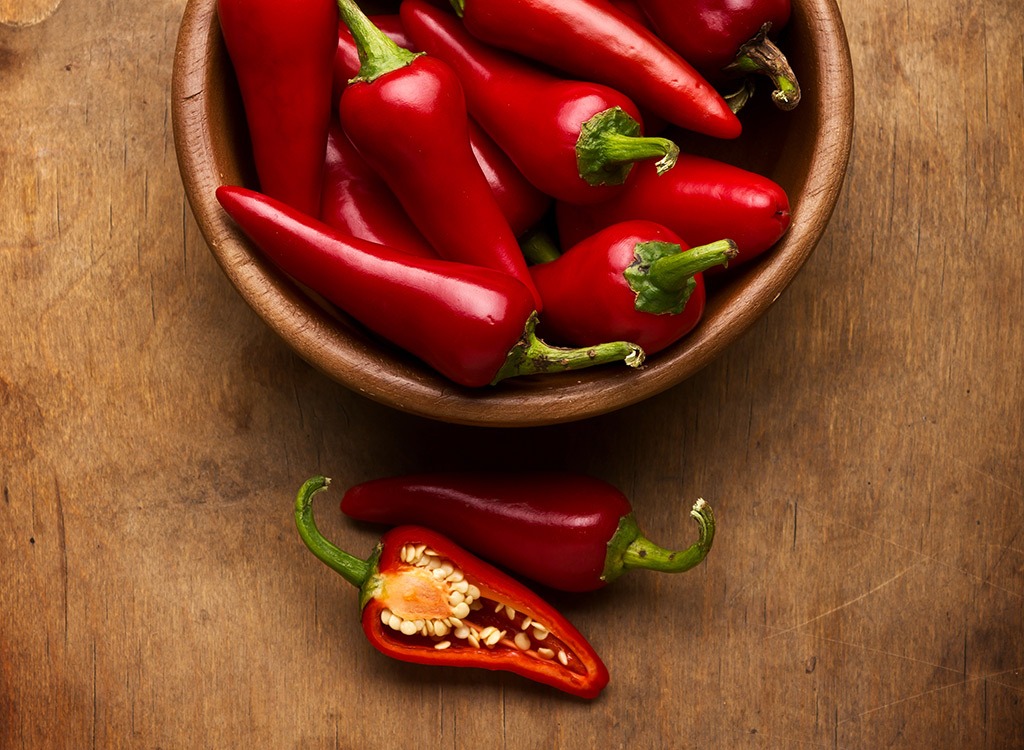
(861, 446)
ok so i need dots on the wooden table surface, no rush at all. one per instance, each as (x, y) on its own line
(861, 446)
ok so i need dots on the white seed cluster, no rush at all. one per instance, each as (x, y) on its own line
(521, 632)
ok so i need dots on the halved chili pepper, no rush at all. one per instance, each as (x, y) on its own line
(406, 114)
(729, 36)
(426, 600)
(357, 201)
(563, 529)
(472, 324)
(635, 278)
(282, 56)
(574, 140)
(594, 40)
(701, 200)
(522, 204)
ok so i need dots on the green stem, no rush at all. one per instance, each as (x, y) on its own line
(610, 143)
(672, 271)
(662, 276)
(761, 55)
(378, 54)
(539, 247)
(352, 569)
(629, 548)
(459, 6)
(532, 356)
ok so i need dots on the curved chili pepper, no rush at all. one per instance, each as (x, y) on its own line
(406, 114)
(565, 530)
(428, 601)
(522, 204)
(635, 279)
(574, 140)
(701, 200)
(357, 201)
(282, 56)
(472, 324)
(730, 36)
(594, 40)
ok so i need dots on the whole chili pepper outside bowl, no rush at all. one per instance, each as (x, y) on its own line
(805, 151)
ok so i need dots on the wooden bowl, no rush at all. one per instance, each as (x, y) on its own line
(805, 150)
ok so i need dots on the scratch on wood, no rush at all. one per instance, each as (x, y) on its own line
(850, 602)
(62, 544)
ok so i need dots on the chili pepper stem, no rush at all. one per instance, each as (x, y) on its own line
(351, 568)
(629, 548)
(662, 277)
(378, 53)
(761, 55)
(531, 356)
(539, 247)
(610, 143)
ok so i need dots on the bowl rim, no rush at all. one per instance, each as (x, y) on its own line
(357, 362)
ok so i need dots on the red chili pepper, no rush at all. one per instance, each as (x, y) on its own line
(426, 600)
(282, 57)
(565, 530)
(357, 201)
(522, 204)
(406, 114)
(472, 324)
(594, 40)
(729, 36)
(701, 200)
(635, 279)
(574, 140)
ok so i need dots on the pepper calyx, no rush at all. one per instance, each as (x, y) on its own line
(530, 355)
(610, 142)
(378, 53)
(761, 55)
(661, 274)
(629, 548)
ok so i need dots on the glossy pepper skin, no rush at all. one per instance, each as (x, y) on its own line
(283, 59)
(594, 40)
(635, 279)
(473, 325)
(574, 140)
(565, 530)
(701, 200)
(469, 615)
(522, 204)
(356, 200)
(729, 36)
(406, 114)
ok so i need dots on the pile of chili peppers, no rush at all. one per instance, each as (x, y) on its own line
(460, 176)
(496, 186)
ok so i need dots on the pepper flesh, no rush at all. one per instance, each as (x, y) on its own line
(701, 200)
(406, 114)
(594, 40)
(566, 530)
(635, 278)
(574, 140)
(472, 324)
(282, 56)
(428, 601)
(356, 200)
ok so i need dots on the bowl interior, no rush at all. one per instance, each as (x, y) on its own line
(805, 151)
